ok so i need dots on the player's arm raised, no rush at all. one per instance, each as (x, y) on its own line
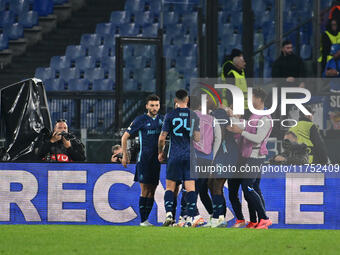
(125, 159)
(161, 145)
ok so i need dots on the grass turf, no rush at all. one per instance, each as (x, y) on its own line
(58, 239)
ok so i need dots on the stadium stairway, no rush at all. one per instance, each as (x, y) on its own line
(54, 44)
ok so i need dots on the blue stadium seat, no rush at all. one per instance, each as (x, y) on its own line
(189, 50)
(142, 17)
(135, 5)
(103, 85)
(170, 18)
(29, 19)
(43, 7)
(111, 73)
(129, 29)
(225, 30)
(110, 41)
(119, 17)
(155, 6)
(60, 62)
(174, 30)
(99, 52)
(306, 51)
(108, 62)
(148, 74)
(83, 63)
(14, 31)
(171, 51)
(69, 73)
(75, 51)
(186, 63)
(19, 6)
(88, 40)
(149, 85)
(43, 73)
(189, 18)
(94, 73)
(104, 28)
(130, 85)
(150, 30)
(54, 84)
(78, 85)
(235, 41)
(6, 18)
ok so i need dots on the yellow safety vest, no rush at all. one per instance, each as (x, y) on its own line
(335, 39)
(240, 82)
(302, 131)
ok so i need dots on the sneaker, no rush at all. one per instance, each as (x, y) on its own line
(251, 224)
(194, 222)
(218, 223)
(264, 224)
(208, 224)
(146, 224)
(169, 221)
(181, 221)
(239, 224)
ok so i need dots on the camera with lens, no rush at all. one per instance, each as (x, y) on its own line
(67, 136)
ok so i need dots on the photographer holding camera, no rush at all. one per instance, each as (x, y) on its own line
(294, 153)
(117, 154)
(61, 146)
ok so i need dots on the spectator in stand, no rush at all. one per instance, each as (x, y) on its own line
(332, 69)
(289, 66)
(329, 38)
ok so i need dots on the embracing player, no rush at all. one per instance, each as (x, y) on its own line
(148, 126)
(182, 126)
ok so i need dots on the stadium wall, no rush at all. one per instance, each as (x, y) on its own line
(105, 194)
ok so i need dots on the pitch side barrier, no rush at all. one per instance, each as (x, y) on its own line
(105, 194)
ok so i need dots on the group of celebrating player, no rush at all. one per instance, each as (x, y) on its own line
(230, 144)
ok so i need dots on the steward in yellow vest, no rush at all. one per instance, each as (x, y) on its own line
(233, 73)
(307, 133)
(329, 38)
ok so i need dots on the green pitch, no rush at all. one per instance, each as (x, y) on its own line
(53, 239)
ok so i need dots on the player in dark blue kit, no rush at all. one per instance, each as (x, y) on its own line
(182, 126)
(148, 127)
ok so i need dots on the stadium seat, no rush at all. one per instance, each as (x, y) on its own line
(155, 6)
(171, 51)
(14, 31)
(94, 73)
(135, 5)
(78, 85)
(186, 63)
(75, 51)
(148, 74)
(69, 73)
(60, 62)
(83, 63)
(189, 18)
(54, 84)
(104, 28)
(44, 73)
(306, 51)
(110, 41)
(88, 40)
(108, 62)
(119, 17)
(111, 73)
(148, 85)
(6, 18)
(170, 18)
(29, 19)
(142, 18)
(99, 52)
(103, 85)
(189, 50)
(19, 6)
(129, 29)
(43, 7)
(150, 30)
(130, 85)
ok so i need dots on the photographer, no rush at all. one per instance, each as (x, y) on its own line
(117, 154)
(294, 153)
(61, 146)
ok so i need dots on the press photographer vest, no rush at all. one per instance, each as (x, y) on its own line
(302, 131)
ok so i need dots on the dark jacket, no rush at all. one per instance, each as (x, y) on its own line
(57, 152)
(288, 66)
(230, 79)
(295, 154)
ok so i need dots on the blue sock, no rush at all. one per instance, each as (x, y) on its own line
(191, 199)
(168, 201)
(183, 203)
(142, 208)
(174, 208)
(218, 205)
(148, 207)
